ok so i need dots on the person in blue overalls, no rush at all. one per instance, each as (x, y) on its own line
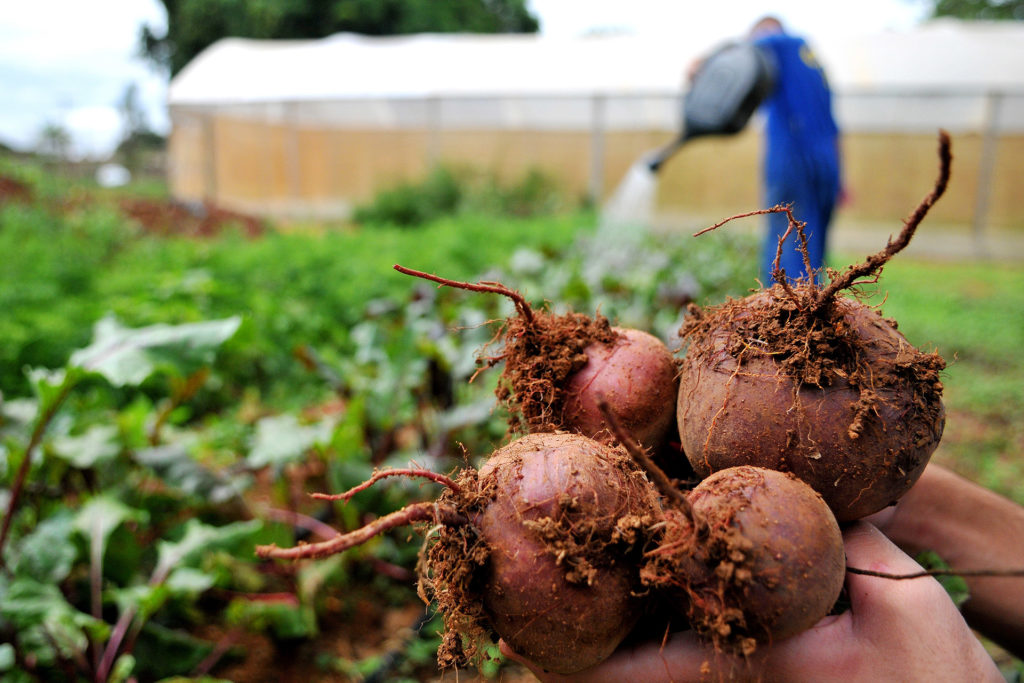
(801, 163)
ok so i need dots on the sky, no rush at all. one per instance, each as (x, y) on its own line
(69, 62)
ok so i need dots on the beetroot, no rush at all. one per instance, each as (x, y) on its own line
(553, 587)
(557, 542)
(540, 547)
(555, 366)
(637, 375)
(750, 555)
(800, 379)
(755, 557)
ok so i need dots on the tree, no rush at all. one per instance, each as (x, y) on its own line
(980, 9)
(54, 142)
(193, 25)
(137, 138)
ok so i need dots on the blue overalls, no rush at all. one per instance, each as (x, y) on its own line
(801, 159)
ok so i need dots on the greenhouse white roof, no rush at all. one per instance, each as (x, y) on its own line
(940, 54)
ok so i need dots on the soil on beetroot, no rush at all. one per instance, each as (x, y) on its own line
(556, 368)
(756, 557)
(823, 385)
(168, 218)
(540, 354)
(550, 561)
(845, 352)
(579, 524)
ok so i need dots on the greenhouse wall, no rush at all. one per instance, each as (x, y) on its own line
(319, 159)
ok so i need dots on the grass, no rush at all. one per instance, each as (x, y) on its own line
(972, 313)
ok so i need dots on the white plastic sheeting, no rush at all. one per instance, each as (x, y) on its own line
(348, 66)
(959, 75)
(940, 54)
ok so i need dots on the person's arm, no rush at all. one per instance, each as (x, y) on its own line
(894, 631)
(969, 527)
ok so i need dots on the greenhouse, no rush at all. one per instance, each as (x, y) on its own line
(308, 128)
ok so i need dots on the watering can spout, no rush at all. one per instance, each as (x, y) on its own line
(658, 157)
(730, 84)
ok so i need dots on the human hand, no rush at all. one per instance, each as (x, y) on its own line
(693, 68)
(969, 527)
(894, 630)
(845, 197)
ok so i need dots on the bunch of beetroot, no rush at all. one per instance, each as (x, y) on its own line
(797, 406)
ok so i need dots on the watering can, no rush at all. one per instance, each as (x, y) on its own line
(729, 85)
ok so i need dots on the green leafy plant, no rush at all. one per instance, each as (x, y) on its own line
(39, 542)
(447, 192)
(414, 203)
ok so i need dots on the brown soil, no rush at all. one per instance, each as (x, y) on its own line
(169, 218)
(814, 348)
(368, 630)
(156, 216)
(14, 191)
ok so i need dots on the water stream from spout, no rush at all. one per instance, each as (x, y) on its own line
(631, 206)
